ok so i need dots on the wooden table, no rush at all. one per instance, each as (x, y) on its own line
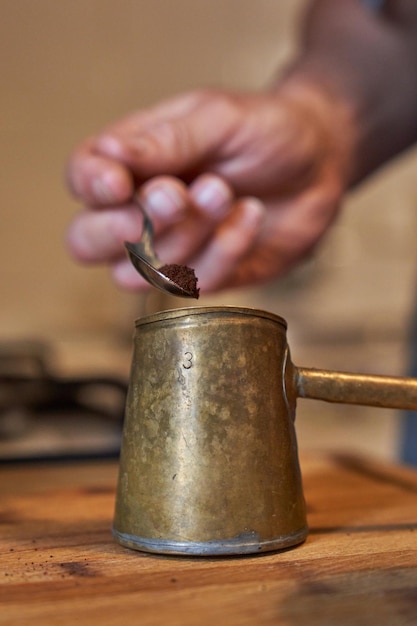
(60, 565)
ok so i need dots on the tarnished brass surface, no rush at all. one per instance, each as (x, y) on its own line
(209, 461)
(366, 389)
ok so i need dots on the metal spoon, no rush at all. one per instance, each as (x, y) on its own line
(144, 259)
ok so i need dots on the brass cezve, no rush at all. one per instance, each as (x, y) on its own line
(209, 462)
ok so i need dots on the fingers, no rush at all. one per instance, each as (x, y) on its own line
(207, 203)
(258, 242)
(234, 238)
(228, 242)
(179, 137)
(96, 179)
(172, 138)
(98, 236)
(291, 230)
(219, 258)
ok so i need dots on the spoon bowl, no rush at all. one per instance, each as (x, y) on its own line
(144, 259)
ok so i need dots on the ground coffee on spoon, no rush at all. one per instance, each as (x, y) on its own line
(182, 276)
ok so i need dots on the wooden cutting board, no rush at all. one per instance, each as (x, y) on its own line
(60, 565)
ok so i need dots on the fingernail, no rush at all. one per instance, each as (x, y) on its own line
(111, 146)
(116, 148)
(102, 191)
(164, 202)
(213, 195)
(254, 213)
(254, 207)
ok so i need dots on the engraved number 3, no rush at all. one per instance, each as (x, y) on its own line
(188, 360)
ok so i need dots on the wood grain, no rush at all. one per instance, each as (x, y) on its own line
(59, 564)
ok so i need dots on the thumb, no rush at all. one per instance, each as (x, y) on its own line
(180, 137)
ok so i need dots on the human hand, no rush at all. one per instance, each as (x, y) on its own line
(240, 187)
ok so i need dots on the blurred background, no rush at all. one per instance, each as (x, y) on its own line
(68, 69)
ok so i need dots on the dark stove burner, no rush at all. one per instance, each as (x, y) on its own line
(29, 391)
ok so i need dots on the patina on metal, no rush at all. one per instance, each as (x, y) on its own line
(209, 462)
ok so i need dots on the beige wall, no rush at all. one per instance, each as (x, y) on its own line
(68, 68)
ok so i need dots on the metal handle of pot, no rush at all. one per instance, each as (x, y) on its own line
(383, 391)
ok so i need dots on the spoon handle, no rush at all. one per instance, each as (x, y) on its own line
(146, 241)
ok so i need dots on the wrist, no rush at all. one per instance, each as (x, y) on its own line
(331, 111)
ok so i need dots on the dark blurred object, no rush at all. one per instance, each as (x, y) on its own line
(49, 416)
(408, 451)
